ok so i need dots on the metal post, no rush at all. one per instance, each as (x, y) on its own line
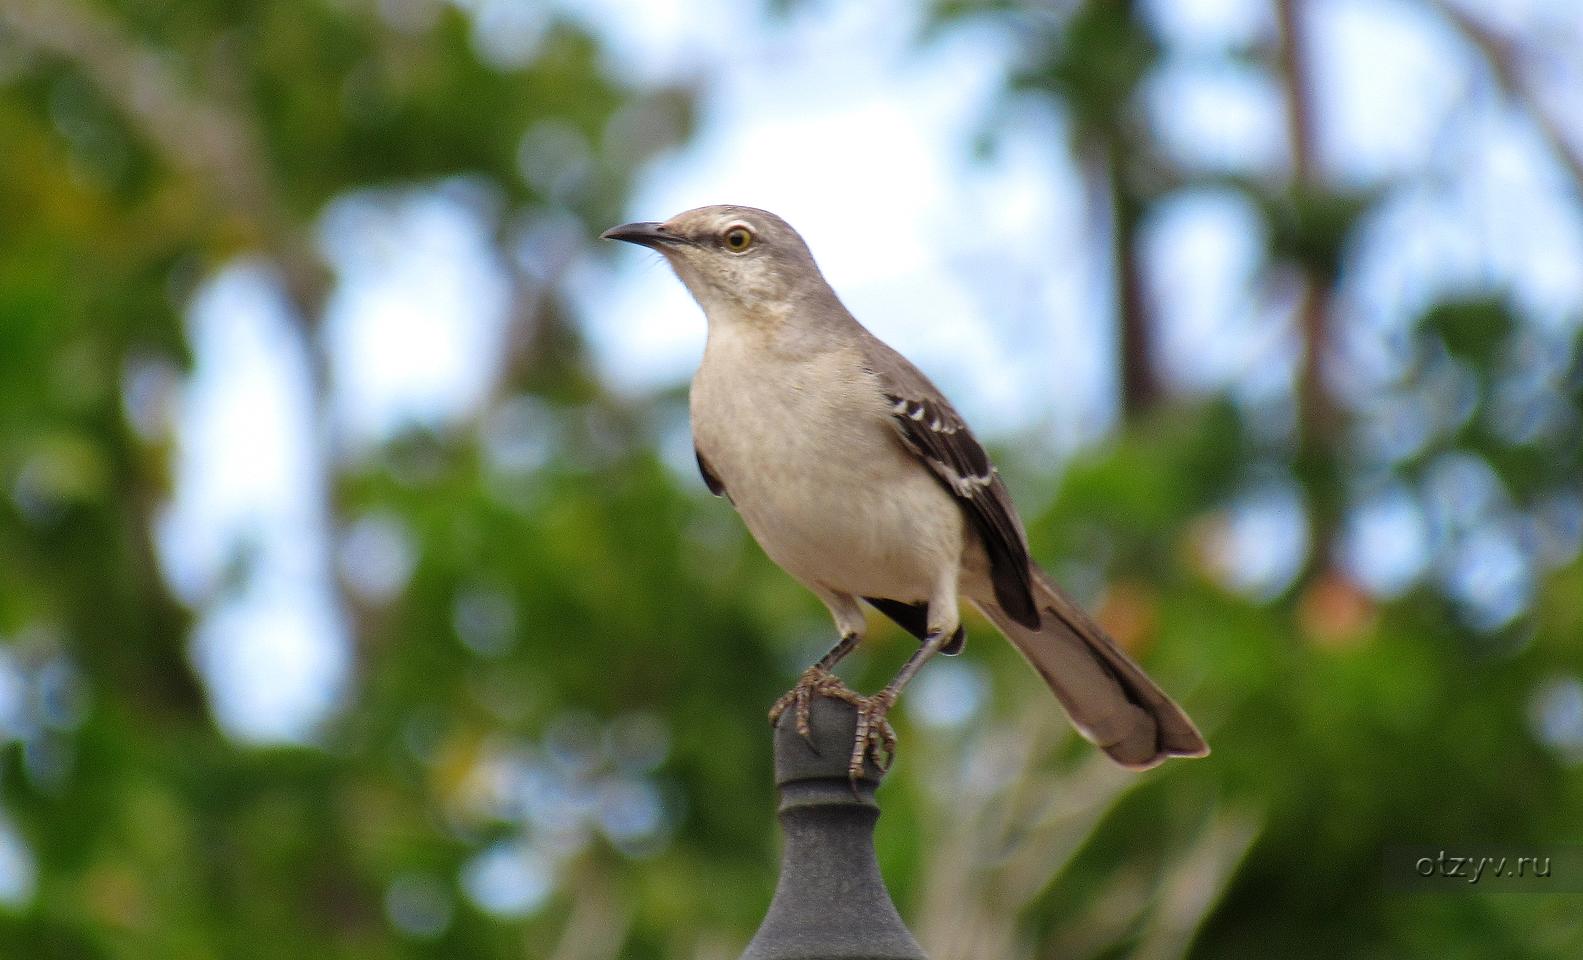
(830, 902)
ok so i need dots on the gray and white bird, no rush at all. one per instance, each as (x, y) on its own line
(859, 479)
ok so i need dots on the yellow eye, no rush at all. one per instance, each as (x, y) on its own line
(738, 239)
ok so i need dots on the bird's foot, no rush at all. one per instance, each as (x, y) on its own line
(815, 681)
(875, 737)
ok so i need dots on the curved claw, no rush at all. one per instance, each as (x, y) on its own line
(888, 741)
(874, 735)
(816, 680)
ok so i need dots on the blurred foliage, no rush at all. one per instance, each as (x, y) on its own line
(568, 688)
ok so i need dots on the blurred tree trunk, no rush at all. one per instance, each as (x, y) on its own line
(1139, 382)
(1317, 418)
(1096, 67)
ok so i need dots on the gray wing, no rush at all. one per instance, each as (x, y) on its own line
(937, 435)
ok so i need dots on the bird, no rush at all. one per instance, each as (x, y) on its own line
(861, 481)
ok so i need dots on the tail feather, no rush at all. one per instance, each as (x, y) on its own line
(1109, 698)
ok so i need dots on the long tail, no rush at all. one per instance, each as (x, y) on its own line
(1110, 699)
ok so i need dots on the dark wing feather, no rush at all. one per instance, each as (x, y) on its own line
(938, 436)
(914, 618)
(710, 480)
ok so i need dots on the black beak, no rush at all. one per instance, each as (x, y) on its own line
(645, 234)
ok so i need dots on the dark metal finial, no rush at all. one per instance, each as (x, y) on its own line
(830, 902)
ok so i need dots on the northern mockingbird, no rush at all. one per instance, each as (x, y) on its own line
(859, 479)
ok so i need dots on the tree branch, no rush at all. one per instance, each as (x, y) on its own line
(1505, 57)
(199, 135)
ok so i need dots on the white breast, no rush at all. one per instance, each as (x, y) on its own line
(806, 452)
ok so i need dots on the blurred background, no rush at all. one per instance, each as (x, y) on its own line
(359, 599)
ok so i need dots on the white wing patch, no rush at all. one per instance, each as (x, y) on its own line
(913, 410)
(967, 486)
(956, 471)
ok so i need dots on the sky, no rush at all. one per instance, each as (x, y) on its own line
(987, 271)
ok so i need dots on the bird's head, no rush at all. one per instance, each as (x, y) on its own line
(736, 261)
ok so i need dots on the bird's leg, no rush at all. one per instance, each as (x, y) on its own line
(817, 679)
(874, 733)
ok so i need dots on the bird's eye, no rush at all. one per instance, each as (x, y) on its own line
(738, 239)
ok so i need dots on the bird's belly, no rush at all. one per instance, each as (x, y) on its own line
(828, 491)
(858, 540)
